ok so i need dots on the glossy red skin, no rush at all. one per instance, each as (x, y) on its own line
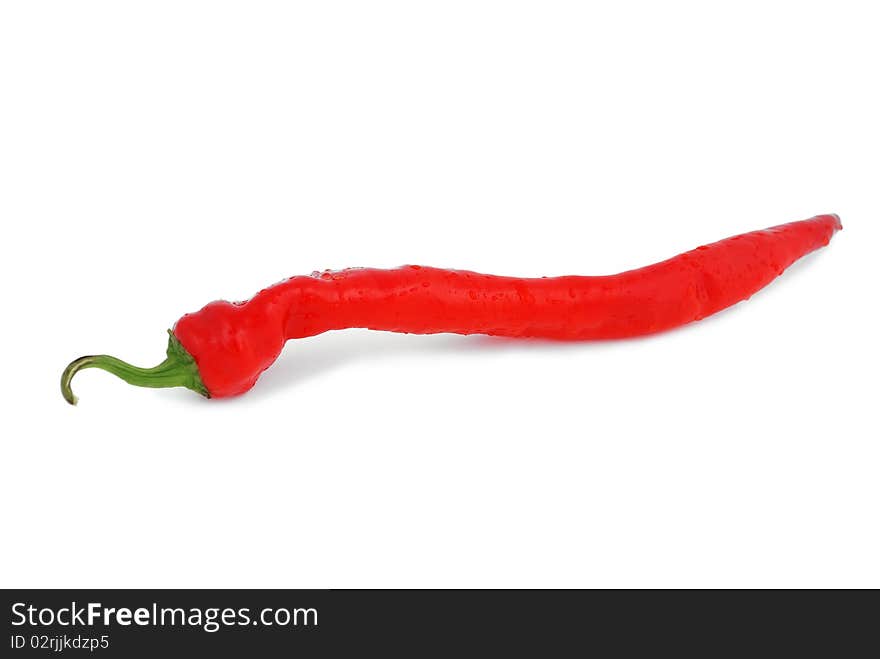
(233, 343)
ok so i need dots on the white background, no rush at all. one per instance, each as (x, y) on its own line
(156, 156)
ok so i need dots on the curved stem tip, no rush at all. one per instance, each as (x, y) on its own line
(178, 370)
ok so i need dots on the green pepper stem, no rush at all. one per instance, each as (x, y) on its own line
(178, 370)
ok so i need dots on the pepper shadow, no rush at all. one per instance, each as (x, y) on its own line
(305, 359)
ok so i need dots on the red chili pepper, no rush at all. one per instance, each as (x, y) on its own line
(222, 349)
